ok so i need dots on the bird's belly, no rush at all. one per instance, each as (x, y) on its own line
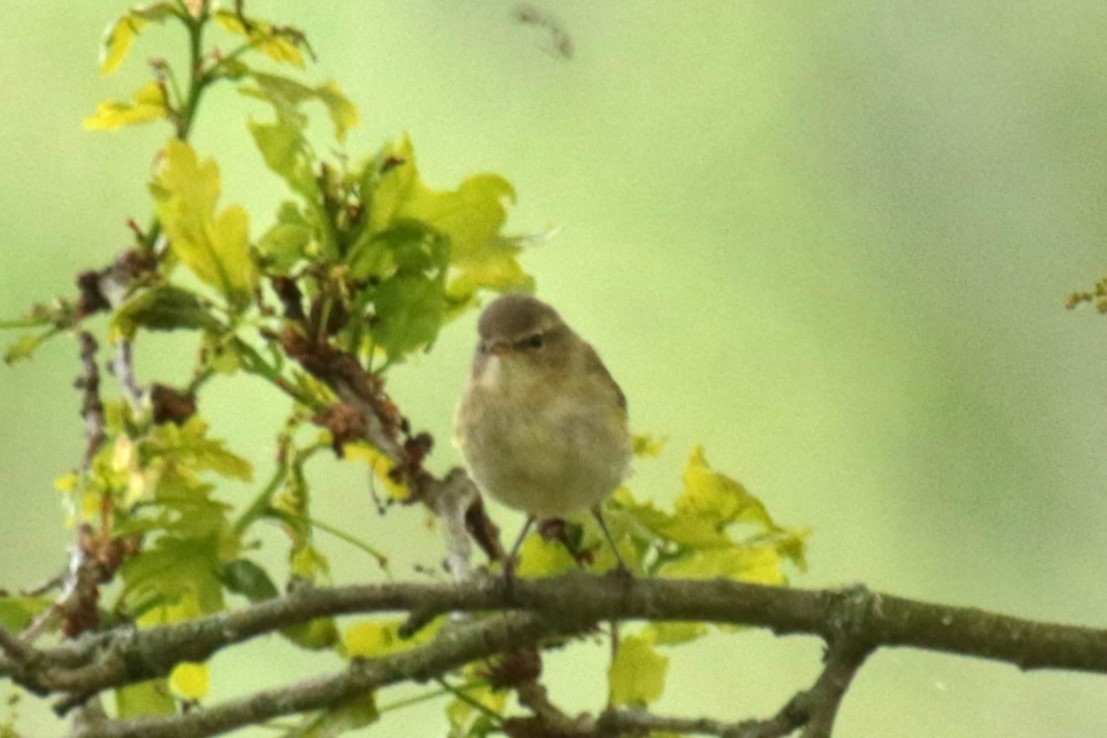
(549, 463)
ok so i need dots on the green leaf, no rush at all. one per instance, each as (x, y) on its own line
(288, 241)
(16, 613)
(466, 720)
(177, 579)
(410, 310)
(280, 43)
(120, 35)
(287, 95)
(163, 308)
(541, 558)
(287, 153)
(145, 105)
(346, 715)
(758, 564)
(314, 635)
(407, 245)
(697, 531)
(471, 216)
(190, 445)
(307, 562)
(246, 578)
(26, 346)
(144, 698)
(637, 674)
(214, 246)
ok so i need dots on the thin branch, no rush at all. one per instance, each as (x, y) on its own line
(821, 702)
(456, 647)
(124, 368)
(16, 649)
(635, 722)
(92, 408)
(81, 572)
(450, 499)
(124, 656)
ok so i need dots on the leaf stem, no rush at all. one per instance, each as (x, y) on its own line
(475, 704)
(382, 560)
(424, 697)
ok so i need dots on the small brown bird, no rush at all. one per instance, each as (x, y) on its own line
(542, 425)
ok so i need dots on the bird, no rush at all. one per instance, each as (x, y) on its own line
(542, 424)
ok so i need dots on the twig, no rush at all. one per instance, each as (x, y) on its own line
(45, 586)
(453, 649)
(124, 368)
(450, 500)
(635, 722)
(822, 701)
(16, 649)
(92, 408)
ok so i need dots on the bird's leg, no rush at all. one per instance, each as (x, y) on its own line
(509, 564)
(622, 568)
(622, 571)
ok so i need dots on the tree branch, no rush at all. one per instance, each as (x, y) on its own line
(455, 647)
(124, 655)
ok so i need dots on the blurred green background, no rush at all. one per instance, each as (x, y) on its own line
(831, 242)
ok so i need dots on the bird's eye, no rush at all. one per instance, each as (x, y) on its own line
(534, 342)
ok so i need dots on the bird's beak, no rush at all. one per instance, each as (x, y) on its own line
(499, 348)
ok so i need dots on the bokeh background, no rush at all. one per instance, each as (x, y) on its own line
(830, 242)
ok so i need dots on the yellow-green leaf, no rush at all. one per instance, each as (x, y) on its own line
(314, 635)
(191, 444)
(541, 558)
(466, 719)
(281, 44)
(16, 613)
(120, 35)
(373, 638)
(308, 563)
(26, 346)
(177, 579)
(287, 95)
(190, 681)
(145, 105)
(214, 246)
(710, 493)
(471, 216)
(381, 466)
(286, 152)
(637, 675)
(758, 564)
(687, 529)
(647, 446)
(144, 698)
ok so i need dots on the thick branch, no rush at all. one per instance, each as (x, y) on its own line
(111, 659)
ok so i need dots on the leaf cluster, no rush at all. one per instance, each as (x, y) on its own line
(359, 269)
